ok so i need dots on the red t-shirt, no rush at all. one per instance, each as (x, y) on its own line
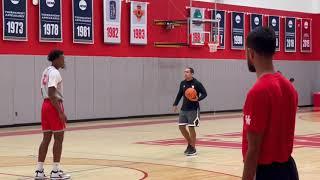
(270, 110)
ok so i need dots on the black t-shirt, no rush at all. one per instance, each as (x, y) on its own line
(187, 104)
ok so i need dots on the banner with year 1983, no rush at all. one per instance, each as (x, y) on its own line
(237, 30)
(138, 21)
(14, 14)
(50, 16)
(112, 21)
(82, 13)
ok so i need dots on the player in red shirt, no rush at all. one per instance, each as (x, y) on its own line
(269, 115)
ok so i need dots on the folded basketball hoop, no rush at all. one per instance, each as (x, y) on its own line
(213, 47)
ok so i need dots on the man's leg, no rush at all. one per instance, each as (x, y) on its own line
(43, 149)
(185, 133)
(193, 136)
(57, 147)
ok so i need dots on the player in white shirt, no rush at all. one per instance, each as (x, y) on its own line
(53, 118)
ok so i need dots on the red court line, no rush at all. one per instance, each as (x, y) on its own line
(120, 125)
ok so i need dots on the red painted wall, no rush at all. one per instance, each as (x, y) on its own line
(157, 10)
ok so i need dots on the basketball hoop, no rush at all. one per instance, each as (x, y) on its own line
(213, 47)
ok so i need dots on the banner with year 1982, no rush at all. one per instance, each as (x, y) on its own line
(237, 30)
(14, 15)
(138, 21)
(50, 17)
(290, 35)
(112, 21)
(82, 13)
(306, 35)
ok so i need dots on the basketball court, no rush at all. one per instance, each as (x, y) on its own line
(152, 148)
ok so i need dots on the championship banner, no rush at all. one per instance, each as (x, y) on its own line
(290, 35)
(50, 17)
(138, 23)
(197, 28)
(112, 21)
(256, 20)
(274, 23)
(237, 30)
(14, 15)
(306, 35)
(221, 16)
(82, 15)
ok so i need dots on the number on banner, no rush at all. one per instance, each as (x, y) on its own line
(237, 40)
(15, 27)
(113, 32)
(290, 43)
(306, 43)
(277, 42)
(51, 29)
(83, 31)
(139, 33)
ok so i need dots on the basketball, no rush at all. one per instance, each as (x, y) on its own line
(191, 93)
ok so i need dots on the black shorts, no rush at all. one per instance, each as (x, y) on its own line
(189, 118)
(278, 171)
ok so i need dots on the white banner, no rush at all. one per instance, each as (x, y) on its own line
(138, 20)
(197, 28)
(112, 21)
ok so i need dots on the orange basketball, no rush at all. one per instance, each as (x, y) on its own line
(190, 93)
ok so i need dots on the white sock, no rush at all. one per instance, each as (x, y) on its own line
(40, 166)
(55, 166)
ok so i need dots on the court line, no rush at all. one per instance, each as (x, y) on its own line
(118, 125)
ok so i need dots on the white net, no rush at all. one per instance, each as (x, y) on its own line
(213, 47)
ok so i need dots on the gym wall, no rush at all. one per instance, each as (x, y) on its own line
(106, 81)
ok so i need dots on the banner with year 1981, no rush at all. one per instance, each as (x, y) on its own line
(50, 17)
(138, 23)
(14, 14)
(82, 15)
(237, 30)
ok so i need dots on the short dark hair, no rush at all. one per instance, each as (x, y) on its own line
(263, 41)
(54, 54)
(191, 70)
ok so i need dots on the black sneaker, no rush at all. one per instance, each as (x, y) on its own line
(188, 148)
(192, 152)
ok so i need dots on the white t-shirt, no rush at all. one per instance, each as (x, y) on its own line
(51, 78)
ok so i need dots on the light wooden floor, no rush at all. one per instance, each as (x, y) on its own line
(151, 149)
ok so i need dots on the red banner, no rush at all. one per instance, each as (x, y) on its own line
(306, 35)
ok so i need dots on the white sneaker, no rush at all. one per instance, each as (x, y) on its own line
(39, 175)
(59, 175)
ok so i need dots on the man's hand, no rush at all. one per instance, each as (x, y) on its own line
(63, 117)
(196, 99)
(175, 109)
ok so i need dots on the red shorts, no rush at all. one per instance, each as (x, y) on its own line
(50, 119)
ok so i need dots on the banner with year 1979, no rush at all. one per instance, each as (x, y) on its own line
(237, 30)
(112, 21)
(14, 15)
(82, 15)
(50, 17)
(138, 21)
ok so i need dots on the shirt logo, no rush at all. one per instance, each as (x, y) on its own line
(248, 119)
(192, 87)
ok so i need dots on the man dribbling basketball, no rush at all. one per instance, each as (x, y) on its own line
(269, 115)
(190, 110)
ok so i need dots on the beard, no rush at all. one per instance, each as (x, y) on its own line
(251, 67)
